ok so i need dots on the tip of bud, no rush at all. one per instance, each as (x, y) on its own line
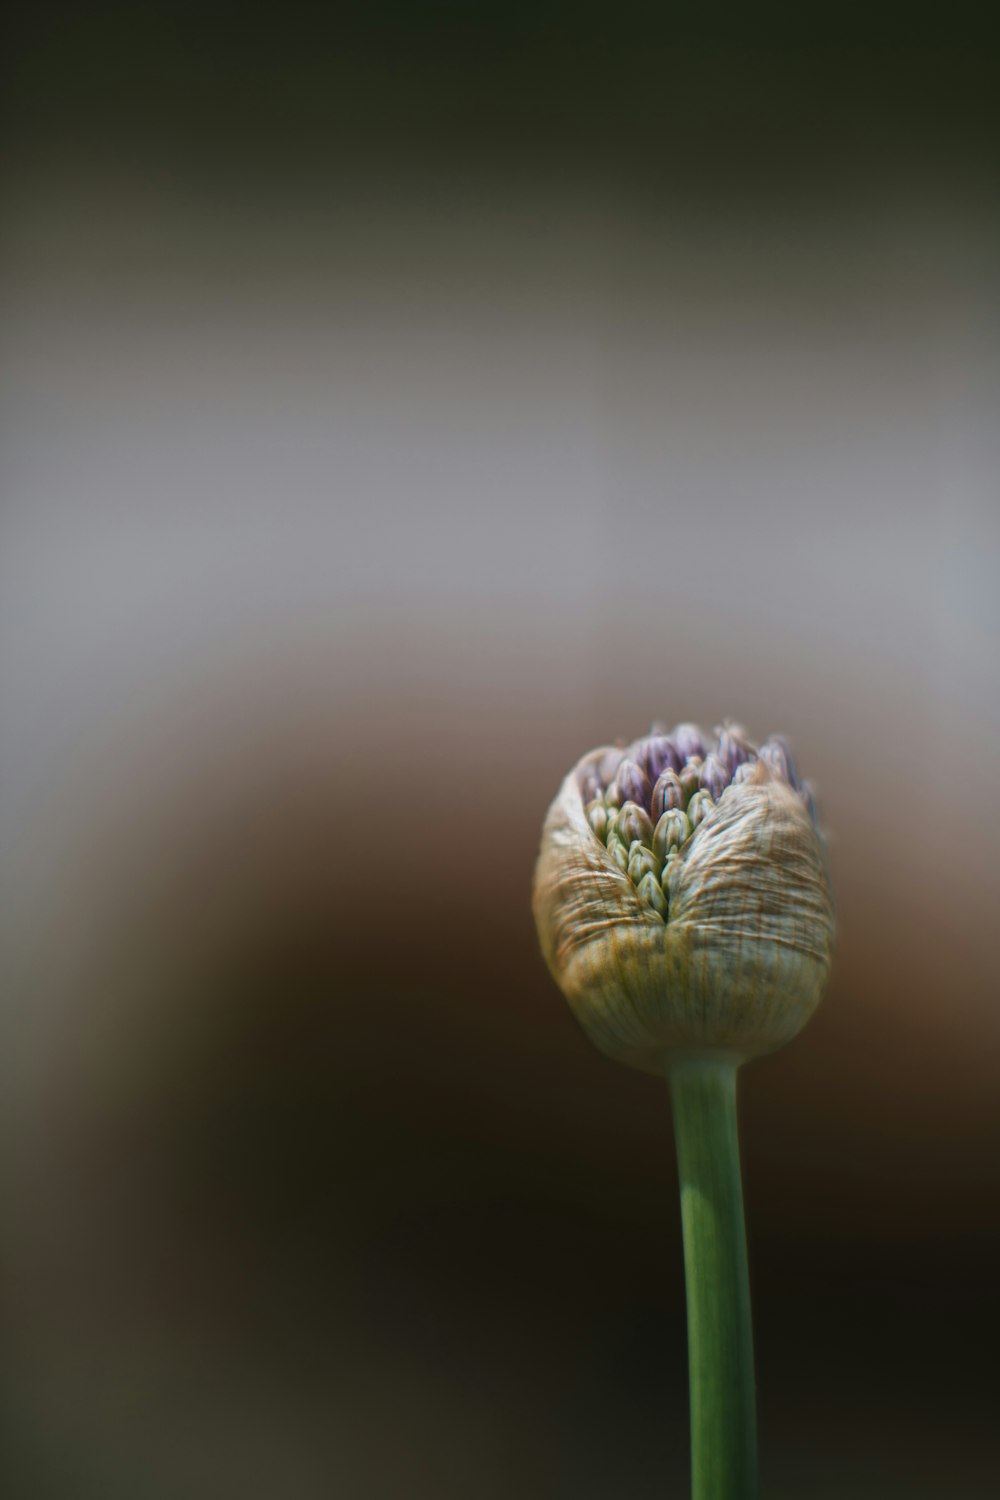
(641, 861)
(672, 830)
(667, 793)
(689, 740)
(714, 777)
(733, 747)
(633, 824)
(698, 809)
(690, 778)
(775, 754)
(597, 817)
(631, 784)
(652, 894)
(656, 753)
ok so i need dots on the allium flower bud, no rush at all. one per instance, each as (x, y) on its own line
(655, 754)
(597, 817)
(671, 872)
(618, 854)
(631, 823)
(673, 830)
(714, 777)
(590, 789)
(689, 741)
(690, 778)
(701, 804)
(736, 955)
(777, 755)
(667, 793)
(631, 784)
(734, 748)
(642, 861)
(651, 892)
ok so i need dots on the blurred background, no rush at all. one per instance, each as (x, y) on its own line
(397, 402)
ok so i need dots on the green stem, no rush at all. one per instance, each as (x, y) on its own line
(720, 1335)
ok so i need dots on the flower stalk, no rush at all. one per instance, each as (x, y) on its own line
(720, 1335)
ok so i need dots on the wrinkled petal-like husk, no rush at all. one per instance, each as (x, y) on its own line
(741, 962)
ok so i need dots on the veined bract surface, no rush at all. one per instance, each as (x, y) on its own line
(682, 899)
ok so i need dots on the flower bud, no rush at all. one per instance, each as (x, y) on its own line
(618, 854)
(734, 747)
(736, 957)
(655, 754)
(775, 754)
(671, 874)
(673, 830)
(632, 822)
(699, 807)
(642, 861)
(597, 817)
(689, 741)
(713, 777)
(631, 784)
(652, 893)
(690, 778)
(667, 793)
(591, 786)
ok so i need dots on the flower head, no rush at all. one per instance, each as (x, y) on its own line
(681, 896)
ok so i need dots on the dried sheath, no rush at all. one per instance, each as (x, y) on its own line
(736, 954)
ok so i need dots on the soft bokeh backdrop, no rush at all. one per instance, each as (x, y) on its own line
(393, 407)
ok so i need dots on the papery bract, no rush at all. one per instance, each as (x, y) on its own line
(734, 953)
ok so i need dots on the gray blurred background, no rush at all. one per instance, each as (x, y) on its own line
(394, 405)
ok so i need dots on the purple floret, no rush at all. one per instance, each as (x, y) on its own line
(667, 793)
(776, 754)
(632, 784)
(734, 748)
(714, 777)
(689, 741)
(655, 754)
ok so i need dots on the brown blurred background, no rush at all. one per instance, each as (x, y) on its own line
(396, 404)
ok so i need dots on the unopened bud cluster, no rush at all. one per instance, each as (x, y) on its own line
(644, 802)
(682, 895)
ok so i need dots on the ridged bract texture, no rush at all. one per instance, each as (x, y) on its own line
(729, 950)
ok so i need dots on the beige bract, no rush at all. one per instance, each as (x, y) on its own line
(668, 932)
